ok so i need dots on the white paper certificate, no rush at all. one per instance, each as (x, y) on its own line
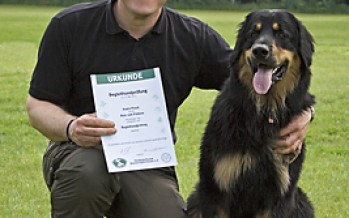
(136, 103)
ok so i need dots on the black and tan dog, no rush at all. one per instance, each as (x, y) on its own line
(240, 174)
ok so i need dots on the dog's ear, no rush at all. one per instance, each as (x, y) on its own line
(306, 44)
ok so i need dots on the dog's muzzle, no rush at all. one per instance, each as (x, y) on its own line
(265, 68)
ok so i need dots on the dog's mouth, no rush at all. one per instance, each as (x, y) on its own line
(264, 76)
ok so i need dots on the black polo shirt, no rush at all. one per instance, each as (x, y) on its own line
(86, 39)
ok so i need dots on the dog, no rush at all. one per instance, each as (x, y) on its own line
(240, 174)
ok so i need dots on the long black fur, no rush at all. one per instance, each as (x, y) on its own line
(237, 127)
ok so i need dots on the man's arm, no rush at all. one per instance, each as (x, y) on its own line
(52, 121)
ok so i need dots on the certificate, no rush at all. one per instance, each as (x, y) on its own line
(135, 102)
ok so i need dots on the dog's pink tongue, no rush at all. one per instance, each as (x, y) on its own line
(262, 80)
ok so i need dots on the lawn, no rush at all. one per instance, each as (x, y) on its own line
(325, 175)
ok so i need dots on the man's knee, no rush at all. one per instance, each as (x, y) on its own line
(86, 172)
(83, 185)
(153, 192)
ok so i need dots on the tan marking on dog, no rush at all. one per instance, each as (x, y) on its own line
(196, 214)
(281, 167)
(290, 79)
(258, 26)
(222, 214)
(229, 168)
(264, 214)
(246, 74)
(276, 26)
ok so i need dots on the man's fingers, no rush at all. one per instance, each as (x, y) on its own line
(87, 130)
(291, 142)
(94, 132)
(294, 148)
(89, 125)
(296, 153)
(292, 136)
(92, 121)
(299, 123)
(287, 141)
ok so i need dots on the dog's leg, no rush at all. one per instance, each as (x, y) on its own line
(204, 207)
(294, 204)
(194, 207)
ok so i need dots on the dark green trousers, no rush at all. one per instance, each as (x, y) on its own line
(81, 187)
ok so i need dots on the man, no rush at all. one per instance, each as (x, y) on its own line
(119, 36)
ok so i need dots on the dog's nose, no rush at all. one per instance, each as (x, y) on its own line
(260, 51)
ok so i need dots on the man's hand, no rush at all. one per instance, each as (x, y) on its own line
(292, 136)
(87, 130)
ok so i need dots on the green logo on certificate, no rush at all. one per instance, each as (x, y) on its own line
(120, 162)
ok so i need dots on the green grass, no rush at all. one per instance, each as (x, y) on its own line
(325, 175)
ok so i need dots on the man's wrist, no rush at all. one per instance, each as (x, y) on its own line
(67, 130)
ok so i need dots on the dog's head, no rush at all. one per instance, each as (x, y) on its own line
(272, 51)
